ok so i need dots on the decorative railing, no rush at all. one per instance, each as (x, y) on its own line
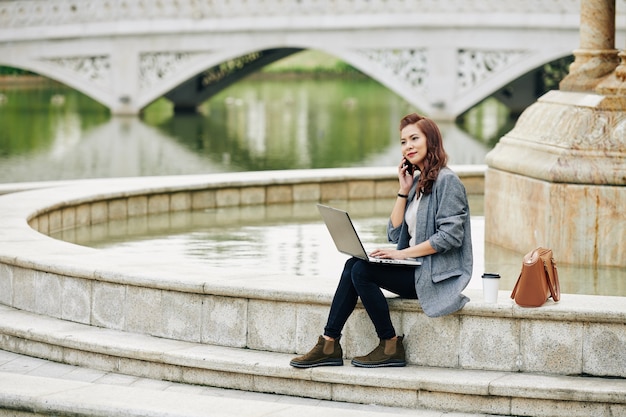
(34, 13)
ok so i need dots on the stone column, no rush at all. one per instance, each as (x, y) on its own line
(597, 56)
(615, 84)
(558, 178)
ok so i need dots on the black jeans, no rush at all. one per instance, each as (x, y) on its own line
(363, 279)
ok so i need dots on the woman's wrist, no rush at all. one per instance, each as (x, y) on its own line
(401, 195)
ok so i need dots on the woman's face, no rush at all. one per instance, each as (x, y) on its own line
(413, 145)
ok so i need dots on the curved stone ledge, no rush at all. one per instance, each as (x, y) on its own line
(233, 309)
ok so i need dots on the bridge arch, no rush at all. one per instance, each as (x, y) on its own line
(408, 78)
(190, 66)
(84, 86)
(531, 62)
(358, 60)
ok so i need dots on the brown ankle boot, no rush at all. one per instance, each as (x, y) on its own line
(324, 353)
(389, 352)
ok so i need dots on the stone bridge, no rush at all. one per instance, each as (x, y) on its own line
(441, 56)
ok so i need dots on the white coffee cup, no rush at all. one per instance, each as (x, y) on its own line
(491, 284)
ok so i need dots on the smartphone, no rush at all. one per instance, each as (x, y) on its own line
(409, 167)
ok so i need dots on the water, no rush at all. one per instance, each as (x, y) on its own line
(52, 133)
(293, 240)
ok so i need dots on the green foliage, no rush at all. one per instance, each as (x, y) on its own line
(14, 71)
(311, 62)
(553, 72)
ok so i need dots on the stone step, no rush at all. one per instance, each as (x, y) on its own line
(412, 387)
(45, 396)
(79, 391)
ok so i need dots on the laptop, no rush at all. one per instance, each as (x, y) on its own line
(347, 240)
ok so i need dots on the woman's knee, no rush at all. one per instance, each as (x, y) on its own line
(361, 272)
(346, 274)
(350, 264)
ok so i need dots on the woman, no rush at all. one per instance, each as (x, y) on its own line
(430, 221)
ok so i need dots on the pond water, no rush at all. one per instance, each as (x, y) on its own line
(50, 132)
(293, 241)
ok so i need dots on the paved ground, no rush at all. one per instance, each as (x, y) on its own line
(44, 385)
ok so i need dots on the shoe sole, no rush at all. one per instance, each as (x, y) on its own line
(378, 365)
(338, 362)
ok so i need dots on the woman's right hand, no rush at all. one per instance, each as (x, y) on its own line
(405, 179)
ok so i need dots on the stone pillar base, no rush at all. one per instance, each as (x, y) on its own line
(558, 179)
(583, 224)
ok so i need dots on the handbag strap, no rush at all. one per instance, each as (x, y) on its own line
(549, 264)
(515, 287)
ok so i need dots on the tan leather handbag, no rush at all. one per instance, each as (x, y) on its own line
(538, 280)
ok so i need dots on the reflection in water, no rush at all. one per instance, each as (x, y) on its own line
(120, 147)
(293, 241)
(53, 133)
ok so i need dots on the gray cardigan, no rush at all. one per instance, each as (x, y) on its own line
(443, 218)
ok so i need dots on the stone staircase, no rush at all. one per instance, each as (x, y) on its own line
(417, 387)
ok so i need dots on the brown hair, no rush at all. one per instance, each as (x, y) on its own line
(436, 157)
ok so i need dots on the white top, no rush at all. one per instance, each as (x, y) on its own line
(410, 217)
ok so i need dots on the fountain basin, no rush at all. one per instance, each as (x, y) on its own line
(222, 306)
